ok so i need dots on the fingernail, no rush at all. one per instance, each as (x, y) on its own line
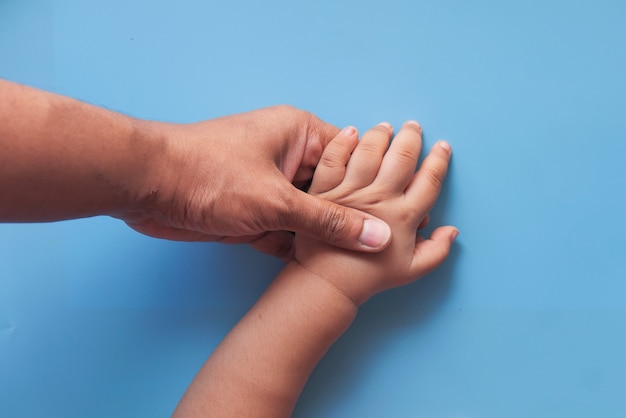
(348, 131)
(386, 125)
(445, 146)
(454, 234)
(375, 234)
(414, 123)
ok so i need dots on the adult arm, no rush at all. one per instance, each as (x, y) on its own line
(228, 179)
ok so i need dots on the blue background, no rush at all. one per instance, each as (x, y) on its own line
(526, 319)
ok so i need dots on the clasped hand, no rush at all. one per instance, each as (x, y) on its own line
(230, 180)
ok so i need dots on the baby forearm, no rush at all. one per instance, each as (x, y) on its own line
(61, 158)
(262, 365)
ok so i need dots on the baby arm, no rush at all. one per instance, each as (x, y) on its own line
(262, 365)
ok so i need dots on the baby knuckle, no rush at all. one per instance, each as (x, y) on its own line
(406, 156)
(434, 177)
(331, 159)
(369, 148)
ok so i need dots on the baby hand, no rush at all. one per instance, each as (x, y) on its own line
(378, 178)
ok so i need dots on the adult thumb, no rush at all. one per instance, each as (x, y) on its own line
(335, 224)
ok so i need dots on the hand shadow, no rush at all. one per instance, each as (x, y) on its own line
(345, 364)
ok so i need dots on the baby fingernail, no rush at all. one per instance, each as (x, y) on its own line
(414, 123)
(374, 234)
(349, 131)
(454, 234)
(445, 146)
(386, 125)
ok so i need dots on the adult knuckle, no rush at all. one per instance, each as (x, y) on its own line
(313, 125)
(286, 108)
(302, 117)
(335, 223)
(288, 115)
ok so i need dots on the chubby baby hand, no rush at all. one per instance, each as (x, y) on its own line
(373, 176)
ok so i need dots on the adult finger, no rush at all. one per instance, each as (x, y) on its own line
(426, 184)
(335, 224)
(317, 129)
(431, 252)
(332, 166)
(399, 163)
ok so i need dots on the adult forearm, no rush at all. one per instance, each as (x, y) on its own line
(262, 365)
(61, 158)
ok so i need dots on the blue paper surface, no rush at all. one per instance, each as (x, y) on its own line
(526, 319)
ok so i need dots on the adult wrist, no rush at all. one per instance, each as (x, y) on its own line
(148, 166)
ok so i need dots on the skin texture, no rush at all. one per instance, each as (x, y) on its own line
(231, 179)
(262, 365)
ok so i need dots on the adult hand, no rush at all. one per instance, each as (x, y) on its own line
(232, 180)
(228, 179)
